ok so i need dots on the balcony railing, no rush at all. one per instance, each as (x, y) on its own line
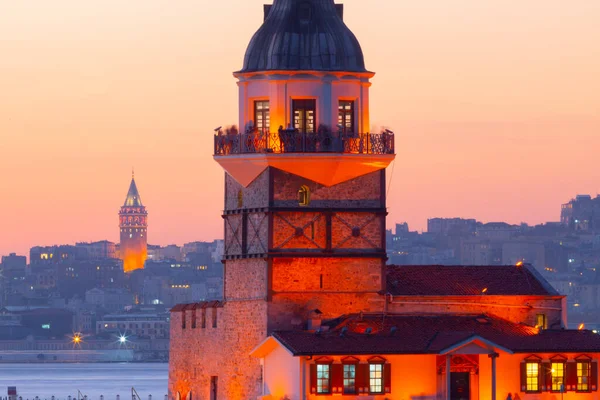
(292, 141)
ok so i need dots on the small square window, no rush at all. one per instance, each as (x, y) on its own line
(541, 322)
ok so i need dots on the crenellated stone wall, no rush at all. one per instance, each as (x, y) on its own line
(198, 354)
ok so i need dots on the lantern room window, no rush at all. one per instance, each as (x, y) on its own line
(323, 378)
(262, 115)
(346, 116)
(304, 115)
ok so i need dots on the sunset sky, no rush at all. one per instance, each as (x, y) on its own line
(495, 105)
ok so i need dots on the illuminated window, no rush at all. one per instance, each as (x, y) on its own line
(346, 116)
(376, 378)
(304, 196)
(323, 378)
(304, 115)
(558, 376)
(541, 322)
(262, 116)
(532, 373)
(240, 199)
(349, 378)
(583, 376)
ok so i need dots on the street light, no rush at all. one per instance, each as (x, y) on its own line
(122, 339)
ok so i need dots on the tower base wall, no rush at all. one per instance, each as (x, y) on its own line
(199, 355)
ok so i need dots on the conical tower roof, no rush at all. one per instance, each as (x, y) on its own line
(133, 196)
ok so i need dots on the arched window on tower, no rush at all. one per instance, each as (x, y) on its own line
(304, 196)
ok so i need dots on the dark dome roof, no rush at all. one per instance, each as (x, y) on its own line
(304, 35)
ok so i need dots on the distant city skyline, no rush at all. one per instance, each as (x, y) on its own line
(495, 109)
(391, 226)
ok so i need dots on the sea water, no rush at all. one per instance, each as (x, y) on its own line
(92, 380)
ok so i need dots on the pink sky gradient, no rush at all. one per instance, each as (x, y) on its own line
(495, 105)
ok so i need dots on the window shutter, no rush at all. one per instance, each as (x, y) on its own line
(571, 376)
(387, 377)
(362, 378)
(594, 376)
(337, 378)
(545, 377)
(523, 376)
(313, 378)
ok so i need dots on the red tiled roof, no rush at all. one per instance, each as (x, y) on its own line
(438, 280)
(431, 334)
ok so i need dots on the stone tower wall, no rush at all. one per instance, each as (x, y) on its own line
(198, 354)
(283, 261)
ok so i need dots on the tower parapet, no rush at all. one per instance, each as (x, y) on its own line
(133, 225)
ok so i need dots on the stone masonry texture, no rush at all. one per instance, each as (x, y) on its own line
(280, 291)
